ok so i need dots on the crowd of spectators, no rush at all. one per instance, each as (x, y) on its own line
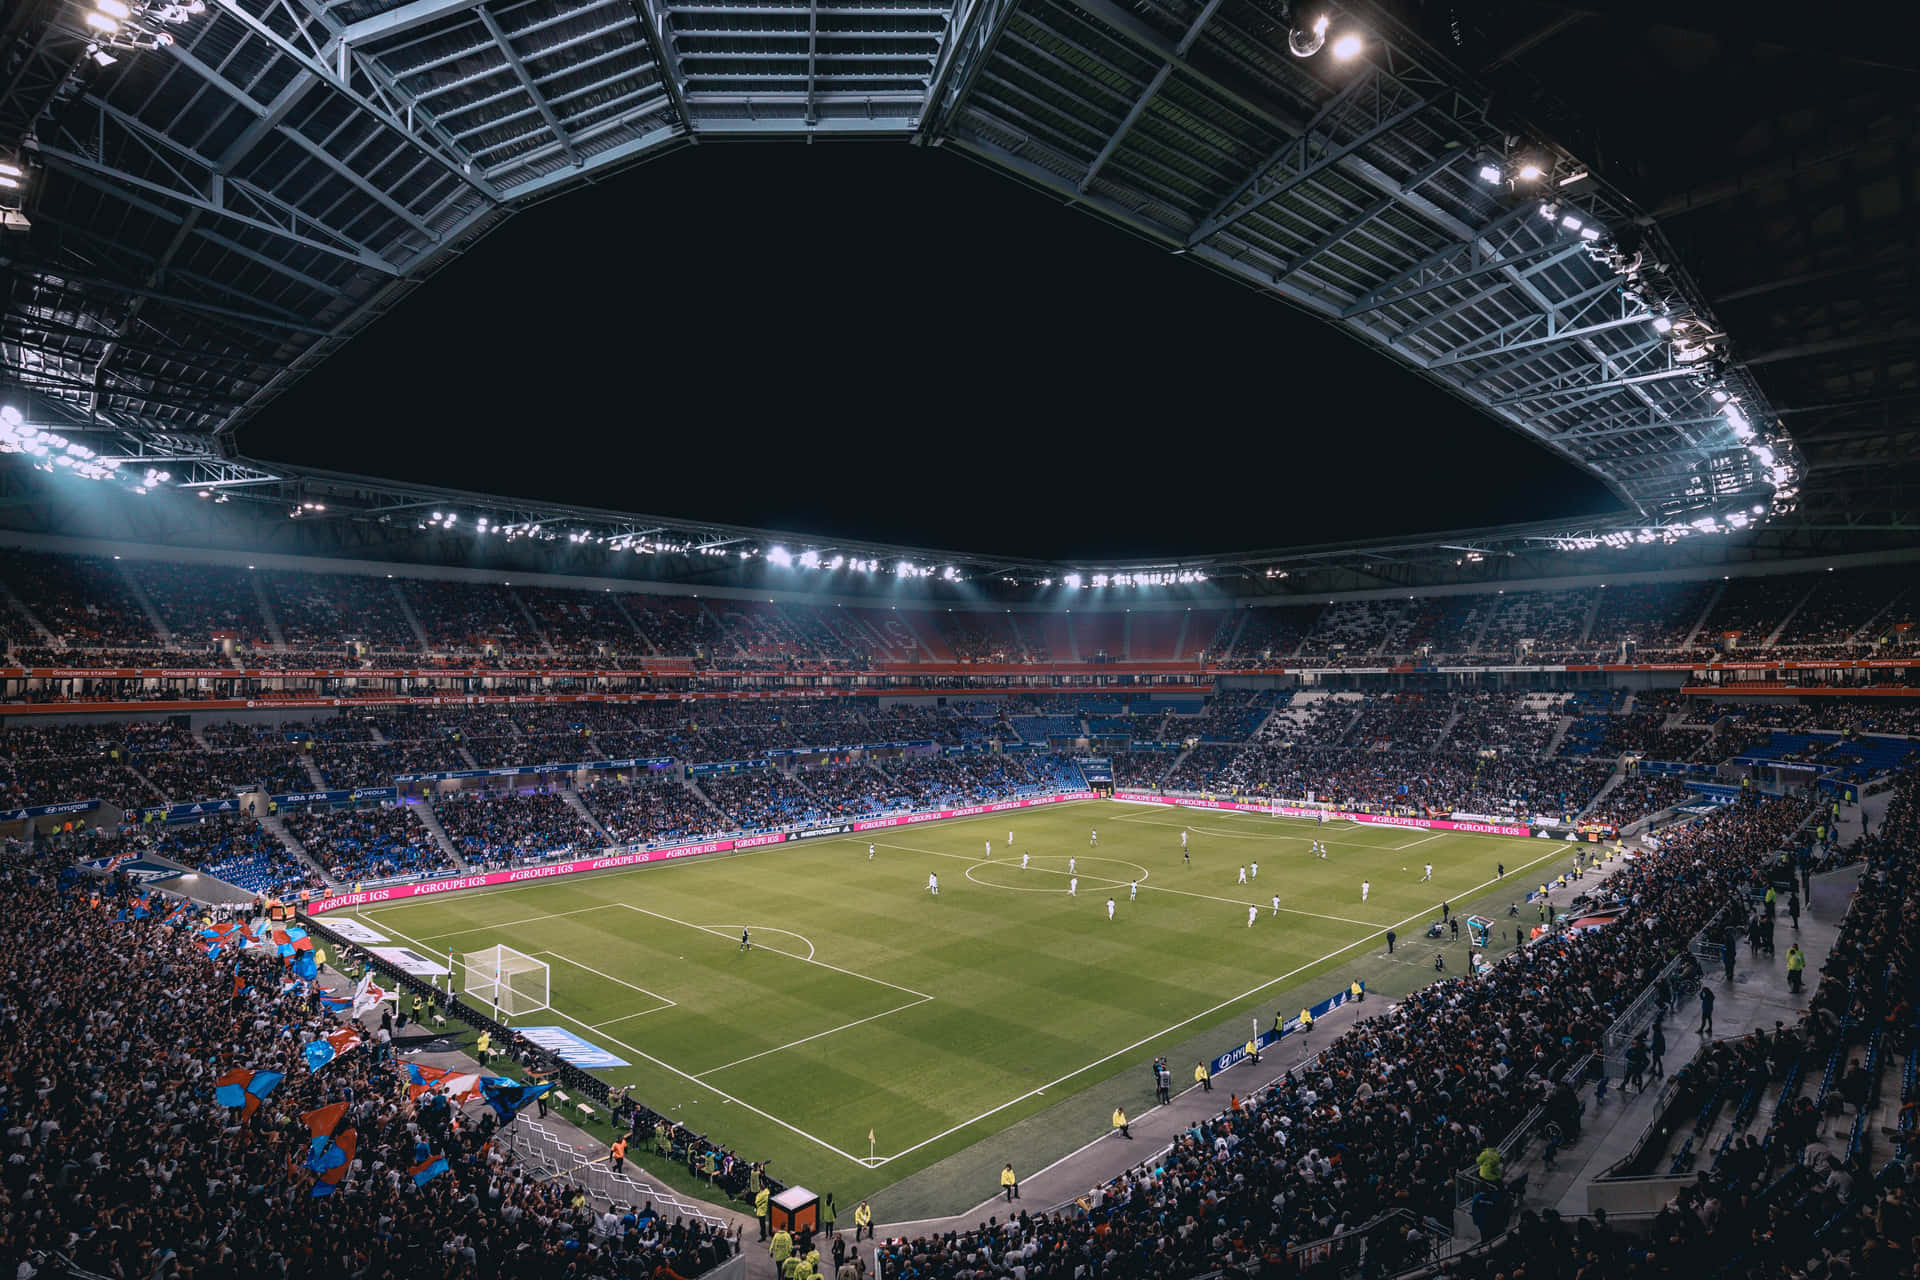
(366, 843)
(493, 828)
(1386, 1116)
(202, 603)
(1636, 796)
(120, 1162)
(646, 810)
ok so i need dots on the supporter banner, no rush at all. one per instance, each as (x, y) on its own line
(188, 812)
(780, 752)
(1235, 1056)
(570, 1048)
(638, 857)
(49, 810)
(408, 961)
(1096, 770)
(839, 830)
(356, 932)
(514, 770)
(726, 766)
(333, 797)
(135, 868)
(1289, 811)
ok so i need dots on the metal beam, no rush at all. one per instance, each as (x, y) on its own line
(401, 20)
(1127, 122)
(1590, 390)
(1335, 236)
(1198, 25)
(526, 82)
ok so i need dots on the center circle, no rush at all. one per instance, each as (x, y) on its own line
(1048, 874)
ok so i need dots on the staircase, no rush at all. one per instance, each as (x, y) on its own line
(1178, 760)
(1866, 628)
(1773, 636)
(1719, 589)
(579, 806)
(266, 612)
(39, 628)
(633, 626)
(1179, 641)
(413, 619)
(441, 840)
(313, 771)
(145, 602)
(726, 819)
(1440, 740)
(539, 632)
(1613, 780)
(1559, 736)
(278, 830)
(1593, 611)
(466, 755)
(1233, 641)
(1126, 636)
(1480, 632)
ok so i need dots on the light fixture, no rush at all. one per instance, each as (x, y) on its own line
(113, 9)
(1347, 47)
(1072, 580)
(1529, 171)
(1490, 173)
(1662, 324)
(1572, 223)
(778, 555)
(1589, 234)
(1305, 41)
(102, 23)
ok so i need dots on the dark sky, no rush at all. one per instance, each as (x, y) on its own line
(894, 343)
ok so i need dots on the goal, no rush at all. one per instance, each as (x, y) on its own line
(509, 982)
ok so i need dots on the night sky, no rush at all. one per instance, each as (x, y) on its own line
(897, 344)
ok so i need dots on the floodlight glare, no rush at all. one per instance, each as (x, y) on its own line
(1490, 173)
(1571, 223)
(1661, 324)
(1589, 234)
(1347, 47)
(1530, 172)
(779, 555)
(101, 22)
(1072, 580)
(113, 9)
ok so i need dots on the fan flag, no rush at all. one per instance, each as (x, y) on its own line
(509, 1097)
(331, 1158)
(322, 1121)
(367, 996)
(336, 1004)
(427, 1170)
(304, 967)
(461, 1086)
(246, 1088)
(319, 1053)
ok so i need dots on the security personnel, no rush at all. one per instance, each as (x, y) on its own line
(1203, 1077)
(862, 1221)
(762, 1203)
(1253, 1052)
(1356, 991)
(483, 1046)
(619, 1153)
(1009, 1184)
(782, 1247)
(1306, 1021)
(1120, 1123)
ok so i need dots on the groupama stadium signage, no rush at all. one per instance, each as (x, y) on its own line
(1289, 811)
(639, 857)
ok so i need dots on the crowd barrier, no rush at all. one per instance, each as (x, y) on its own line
(1332, 815)
(640, 857)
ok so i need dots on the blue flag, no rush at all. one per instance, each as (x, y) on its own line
(304, 966)
(427, 1170)
(509, 1098)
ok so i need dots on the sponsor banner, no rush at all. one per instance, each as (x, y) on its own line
(354, 796)
(188, 812)
(638, 857)
(839, 830)
(1095, 770)
(135, 868)
(408, 961)
(49, 810)
(515, 770)
(1290, 811)
(570, 1048)
(727, 766)
(357, 932)
(1237, 1055)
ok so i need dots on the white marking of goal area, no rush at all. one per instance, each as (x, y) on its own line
(875, 1162)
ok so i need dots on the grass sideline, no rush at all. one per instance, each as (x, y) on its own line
(869, 1004)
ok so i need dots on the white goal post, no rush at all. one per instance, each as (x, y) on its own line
(508, 982)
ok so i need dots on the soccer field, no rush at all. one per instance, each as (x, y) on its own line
(868, 1004)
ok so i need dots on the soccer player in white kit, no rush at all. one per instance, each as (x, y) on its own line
(1073, 887)
(1183, 839)
(989, 848)
(1253, 913)
(933, 883)
(869, 853)
(1009, 837)
(1243, 875)
(1109, 908)
(1429, 874)
(1024, 855)
(1365, 885)
(1256, 871)
(1093, 839)
(1073, 864)
(1133, 891)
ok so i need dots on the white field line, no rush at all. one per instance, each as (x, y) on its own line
(911, 1004)
(508, 924)
(692, 1079)
(1204, 1013)
(791, 955)
(626, 1017)
(766, 928)
(1422, 840)
(1102, 882)
(1355, 828)
(609, 977)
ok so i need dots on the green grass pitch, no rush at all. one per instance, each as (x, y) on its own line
(869, 1004)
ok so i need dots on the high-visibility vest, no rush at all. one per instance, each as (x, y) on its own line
(1006, 1176)
(1200, 1073)
(760, 1203)
(620, 1149)
(863, 1216)
(1252, 1048)
(1119, 1118)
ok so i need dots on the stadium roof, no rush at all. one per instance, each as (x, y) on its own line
(217, 211)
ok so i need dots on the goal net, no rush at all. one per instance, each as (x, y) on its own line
(506, 981)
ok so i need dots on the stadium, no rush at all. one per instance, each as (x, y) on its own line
(593, 688)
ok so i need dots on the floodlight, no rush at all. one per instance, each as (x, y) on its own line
(1347, 47)
(113, 9)
(904, 569)
(779, 555)
(1589, 234)
(1099, 579)
(1719, 396)
(1571, 223)
(1530, 171)
(1661, 324)
(1490, 173)
(101, 22)
(1072, 580)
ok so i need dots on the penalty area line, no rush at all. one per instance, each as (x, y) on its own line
(794, 1129)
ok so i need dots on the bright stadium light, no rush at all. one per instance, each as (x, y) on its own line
(904, 569)
(1347, 47)
(778, 555)
(1529, 171)
(1572, 223)
(809, 559)
(1661, 324)
(102, 23)
(1490, 174)
(1305, 41)
(1072, 580)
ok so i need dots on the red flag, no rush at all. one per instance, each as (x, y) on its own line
(322, 1121)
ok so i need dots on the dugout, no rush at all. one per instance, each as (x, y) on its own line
(796, 1209)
